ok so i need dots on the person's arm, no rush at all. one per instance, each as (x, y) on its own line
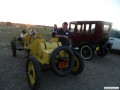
(62, 36)
(59, 34)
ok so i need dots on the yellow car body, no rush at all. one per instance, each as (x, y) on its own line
(61, 59)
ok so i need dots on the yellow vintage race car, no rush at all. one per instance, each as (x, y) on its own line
(46, 54)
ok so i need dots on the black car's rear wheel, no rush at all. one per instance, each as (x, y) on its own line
(13, 47)
(78, 65)
(62, 61)
(103, 51)
(33, 71)
(86, 52)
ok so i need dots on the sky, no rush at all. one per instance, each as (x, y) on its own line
(50, 12)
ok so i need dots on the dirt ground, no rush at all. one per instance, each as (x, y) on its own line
(97, 74)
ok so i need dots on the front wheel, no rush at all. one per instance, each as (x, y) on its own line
(78, 64)
(62, 61)
(33, 71)
(87, 52)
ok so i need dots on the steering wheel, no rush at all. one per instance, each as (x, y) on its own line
(33, 32)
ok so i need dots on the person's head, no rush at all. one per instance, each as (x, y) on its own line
(24, 31)
(64, 26)
(55, 26)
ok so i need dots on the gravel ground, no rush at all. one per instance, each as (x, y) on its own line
(97, 73)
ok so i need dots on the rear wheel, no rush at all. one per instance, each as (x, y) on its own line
(33, 71)
(62, 60)
(78, 65)
(13, 47)
(103, 51)
(86, 52)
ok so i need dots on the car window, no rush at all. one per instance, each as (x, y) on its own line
(93, 28)
(72, 27)
(90, 28)
(87, 28)
(106, 28)
(79, 28)
(82, 28)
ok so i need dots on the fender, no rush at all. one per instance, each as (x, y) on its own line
(108, 45)
(88, 43)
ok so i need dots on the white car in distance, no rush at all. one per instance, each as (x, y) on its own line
(116, 43)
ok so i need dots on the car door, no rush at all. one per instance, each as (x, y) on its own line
(116, 43)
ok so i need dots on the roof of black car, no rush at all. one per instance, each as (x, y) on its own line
(89, 22)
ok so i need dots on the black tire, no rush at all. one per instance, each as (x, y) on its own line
(103, 51)
(78, 65)
(33, 71)
(13, 47)
(87, 52)
(56, 59)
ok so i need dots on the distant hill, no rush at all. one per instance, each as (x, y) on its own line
(22, 25)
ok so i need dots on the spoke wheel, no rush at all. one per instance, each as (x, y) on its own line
(33, 71)
(33, 32)
(78, 65)
(86, 52)
(62, 61)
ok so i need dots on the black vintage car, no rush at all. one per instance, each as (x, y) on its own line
(90, 37)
